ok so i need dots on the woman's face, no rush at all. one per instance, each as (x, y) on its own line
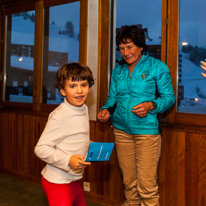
(130, 52)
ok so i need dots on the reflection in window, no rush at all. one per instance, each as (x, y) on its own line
(192, 49)
(144, 14)
(61, 45)
(19, 57)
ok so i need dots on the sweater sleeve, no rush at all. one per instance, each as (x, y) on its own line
(165, 89)
(47, 146)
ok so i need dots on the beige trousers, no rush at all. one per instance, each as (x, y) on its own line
(138, 157)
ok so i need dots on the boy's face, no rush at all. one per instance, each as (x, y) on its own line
(76, 92)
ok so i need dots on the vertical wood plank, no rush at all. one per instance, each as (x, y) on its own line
(19, 142)
(202, 170)
(171, 169)
(180, 169)
(162, 169)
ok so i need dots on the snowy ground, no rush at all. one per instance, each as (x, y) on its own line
(191, 79)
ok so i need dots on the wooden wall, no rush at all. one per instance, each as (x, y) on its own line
(182, 169)
(181, 173)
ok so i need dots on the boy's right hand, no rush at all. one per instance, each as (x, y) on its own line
(103, 116)
(77, 162)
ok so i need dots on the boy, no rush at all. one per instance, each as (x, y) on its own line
(65, 139)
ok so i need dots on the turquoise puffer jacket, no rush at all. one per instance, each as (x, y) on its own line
(148, 75)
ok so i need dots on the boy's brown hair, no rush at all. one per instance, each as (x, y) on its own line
(76, 71)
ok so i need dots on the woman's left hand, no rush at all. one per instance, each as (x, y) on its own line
(142, 109)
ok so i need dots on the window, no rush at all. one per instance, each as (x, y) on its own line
(61, 45)
(19, 57)
(192, 50)
(38, 38)
(147, 16)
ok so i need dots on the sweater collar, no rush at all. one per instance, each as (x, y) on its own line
(81, 108)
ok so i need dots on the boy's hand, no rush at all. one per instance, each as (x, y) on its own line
(77, 162)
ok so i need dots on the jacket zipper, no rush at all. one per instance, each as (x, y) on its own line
(128, 105)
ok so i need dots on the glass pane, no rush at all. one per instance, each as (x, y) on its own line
(192, 49)
(146, 15)
(61, 45)
(19, 57)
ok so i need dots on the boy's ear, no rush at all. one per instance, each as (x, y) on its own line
(62, 92)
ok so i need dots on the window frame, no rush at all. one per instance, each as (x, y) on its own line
(173, 116)
(38, 6)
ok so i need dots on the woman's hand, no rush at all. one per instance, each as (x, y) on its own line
(103, 116)
(203, 66)
(142, 109)
(77, 163)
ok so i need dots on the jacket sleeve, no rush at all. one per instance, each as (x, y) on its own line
(166, 97)
(46, 148)
(111, 99)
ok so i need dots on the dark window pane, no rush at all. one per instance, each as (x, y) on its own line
(19, 57)
(192, 50)
(146, 15)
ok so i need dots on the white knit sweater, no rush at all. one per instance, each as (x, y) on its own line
(66, 134)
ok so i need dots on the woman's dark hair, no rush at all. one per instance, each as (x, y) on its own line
(133, 33)
(76, 71)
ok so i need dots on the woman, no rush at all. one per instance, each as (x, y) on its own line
(134, 83)
(203, 66)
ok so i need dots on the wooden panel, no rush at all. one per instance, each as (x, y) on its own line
(182, 169)
(83, 33)
(164, 32)
(19, 6)
(181, 172)
(105, 177)
(48, 3)
(104, 32)
(18, 137)
(38, 56)
(19, 134)
(172, 50)
(191, 119)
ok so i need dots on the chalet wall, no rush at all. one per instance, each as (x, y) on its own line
(181, 173)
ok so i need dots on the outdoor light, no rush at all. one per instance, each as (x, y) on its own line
(184, 43)
(196, 99)
(21, 59)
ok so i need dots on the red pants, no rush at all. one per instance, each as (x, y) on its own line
(64, 194)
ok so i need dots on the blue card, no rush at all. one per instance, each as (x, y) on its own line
(99, 151)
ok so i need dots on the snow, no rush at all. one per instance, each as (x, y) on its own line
(26, 63)
(191, 79)
(23, 34)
